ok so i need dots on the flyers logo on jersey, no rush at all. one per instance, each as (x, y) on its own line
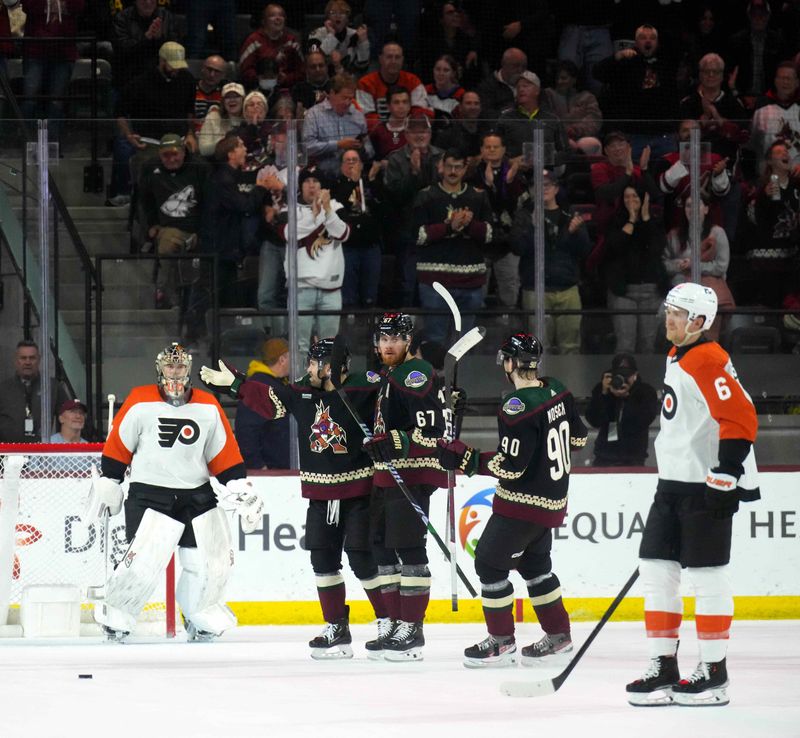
(669, 405)
(177, 429)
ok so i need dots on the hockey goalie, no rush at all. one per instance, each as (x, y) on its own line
(173, 437)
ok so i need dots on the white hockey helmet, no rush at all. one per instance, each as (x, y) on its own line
(174, 383)
(696, 300)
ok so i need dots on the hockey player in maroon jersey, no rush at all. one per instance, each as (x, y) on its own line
(706, 466)
(335, 477)
(410, 416)
(538, 426)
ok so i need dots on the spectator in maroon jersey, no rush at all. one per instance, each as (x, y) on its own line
(390, 134)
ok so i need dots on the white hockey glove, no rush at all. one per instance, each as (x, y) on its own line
(225, 379)
(246, 502)
(106, 494)
(16, 17)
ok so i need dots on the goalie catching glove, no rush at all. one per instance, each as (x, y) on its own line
(228, 379)
(387, 446)
(246, 502)
(106, 494)
(457, 456)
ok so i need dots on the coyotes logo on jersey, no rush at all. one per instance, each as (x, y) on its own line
(327, 433)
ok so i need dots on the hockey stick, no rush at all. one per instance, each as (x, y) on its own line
(337, 360)
(450, 379)
(549, 686)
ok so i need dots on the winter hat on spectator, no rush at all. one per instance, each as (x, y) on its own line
(173, 54)
(273, 349)
(549, 177)
(233, 87)
(256, 95)
(531, 77)
(308, 174)
(758, 5)
(72, 405)
(417, 119)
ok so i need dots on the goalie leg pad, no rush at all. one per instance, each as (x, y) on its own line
(206, 569)
(136, 576)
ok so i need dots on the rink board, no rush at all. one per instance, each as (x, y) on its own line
(594, 551)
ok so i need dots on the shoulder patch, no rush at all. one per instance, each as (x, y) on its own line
(373, 377)
(415, 379)
(514, 406)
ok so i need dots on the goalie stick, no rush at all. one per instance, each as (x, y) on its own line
(542, 687)
(450, 379)
(337, 360)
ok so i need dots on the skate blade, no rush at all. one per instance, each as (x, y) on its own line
(332, 654)
(552, 660)
(710, 698)
(656, 698)
(376, 655)
(496, 662)
(413, 654)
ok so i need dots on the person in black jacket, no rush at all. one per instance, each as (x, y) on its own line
(622, 407)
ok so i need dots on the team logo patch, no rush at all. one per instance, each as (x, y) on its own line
(514, 406)
(415, 380)
(326, 433)
(670, 404)
(373, 378)
(177, 429)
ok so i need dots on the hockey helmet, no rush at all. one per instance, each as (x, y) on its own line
(323, 349)
(394, 324)
(696, 300)
(174, 383)
(523, 348)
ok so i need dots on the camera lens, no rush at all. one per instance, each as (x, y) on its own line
(617, 382)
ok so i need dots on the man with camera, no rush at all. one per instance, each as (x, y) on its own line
(622, 408)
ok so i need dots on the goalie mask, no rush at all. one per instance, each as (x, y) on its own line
(174, 373)
(524, 350)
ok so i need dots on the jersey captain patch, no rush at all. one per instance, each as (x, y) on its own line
(177, 429)
(415, 379)
(514, 406)
(326, 433)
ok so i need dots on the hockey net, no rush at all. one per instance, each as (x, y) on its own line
(45, 543)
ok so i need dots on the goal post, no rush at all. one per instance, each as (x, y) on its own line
(43, 492)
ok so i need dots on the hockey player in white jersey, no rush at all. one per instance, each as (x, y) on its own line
(706, 467)
(172, 437)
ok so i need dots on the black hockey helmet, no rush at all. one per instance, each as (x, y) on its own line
(524, 348)
(394, 324)
(323, 349)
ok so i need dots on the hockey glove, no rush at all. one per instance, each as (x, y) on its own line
(722, 498)
(247, 503)
(228, 379)
(16, 17)
(459, 401)
(457, 456)
(106, 494)
(387, 446)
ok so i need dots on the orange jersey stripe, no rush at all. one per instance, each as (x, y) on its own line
(713, 627)
(661, 624)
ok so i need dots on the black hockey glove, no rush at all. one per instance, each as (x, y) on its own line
(457, 456)
(722, 497)
(387, 446)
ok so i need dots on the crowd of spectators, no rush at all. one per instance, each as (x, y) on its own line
(404, 104)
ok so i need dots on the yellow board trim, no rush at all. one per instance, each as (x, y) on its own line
(470, 611)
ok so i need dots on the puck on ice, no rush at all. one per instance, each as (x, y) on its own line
(84, 676)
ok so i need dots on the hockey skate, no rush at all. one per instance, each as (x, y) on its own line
(114, 636)
(706, 687)
(334, 641)
(492, 652)
(406, 643)
(655, 687)
(386, 627)
(195, 635)
(548, 651)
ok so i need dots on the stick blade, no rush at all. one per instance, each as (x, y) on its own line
(538, 688)
(451, 303)
(467, 342)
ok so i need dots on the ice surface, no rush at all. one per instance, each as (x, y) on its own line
(260, 681)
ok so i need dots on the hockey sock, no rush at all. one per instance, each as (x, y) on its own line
(390, 589)
(415, 592)
(331, 593)
(663, 606)
(713, 610)
(498, 605)
(372, 587)
(545, 594)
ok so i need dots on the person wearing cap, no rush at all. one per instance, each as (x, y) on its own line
(208, 91)
(265, 443)
(138, 31)
(622, 407)
(335, 125)
(755, 52)
(222, 118)
(408, 171)
(566, 245)
(71, 420)
(150, 107)
(516, 123)
(273, 42)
